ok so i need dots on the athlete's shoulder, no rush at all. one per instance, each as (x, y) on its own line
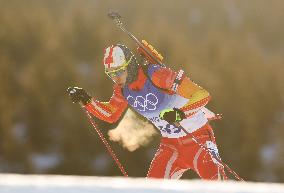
(162, 76)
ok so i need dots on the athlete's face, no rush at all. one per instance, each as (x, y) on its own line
(118, 75)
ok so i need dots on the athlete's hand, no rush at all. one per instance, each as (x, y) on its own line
(77, 95)
(172, 115)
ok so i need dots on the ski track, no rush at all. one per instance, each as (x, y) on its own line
(16, 183)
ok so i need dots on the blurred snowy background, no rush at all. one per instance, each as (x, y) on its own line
(85, 184)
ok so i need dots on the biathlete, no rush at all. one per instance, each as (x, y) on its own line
(165, 98)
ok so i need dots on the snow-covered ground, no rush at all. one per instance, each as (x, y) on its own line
(13, 183)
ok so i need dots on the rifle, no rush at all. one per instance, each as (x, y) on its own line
(146, 50)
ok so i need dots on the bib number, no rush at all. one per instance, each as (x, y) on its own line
(168, 128)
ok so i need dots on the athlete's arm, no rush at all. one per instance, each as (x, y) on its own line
(177, 82)
(109, 111)
(198, 97)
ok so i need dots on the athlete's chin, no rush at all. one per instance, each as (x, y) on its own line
(120, 84)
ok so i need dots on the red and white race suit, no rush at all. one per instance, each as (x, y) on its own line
(178, 152)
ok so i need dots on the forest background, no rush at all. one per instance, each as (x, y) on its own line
(234, 49)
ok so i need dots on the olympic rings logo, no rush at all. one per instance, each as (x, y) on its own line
(142, 104)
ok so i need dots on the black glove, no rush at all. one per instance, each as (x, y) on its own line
(172, 115)
(78, 95)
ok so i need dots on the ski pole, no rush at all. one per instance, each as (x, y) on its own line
(209, 152)
(109, 149)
